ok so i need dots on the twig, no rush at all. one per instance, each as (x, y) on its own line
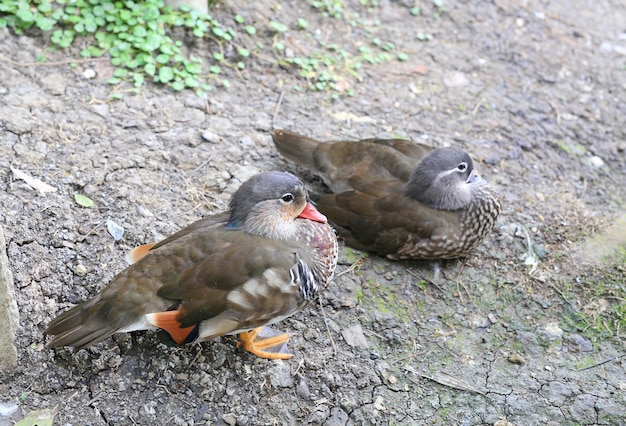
(278, 105)
(91, 231)
(63, 62)
(351, 268)
(207, 161)
(447, 380)
(615, 358)
(330, 336)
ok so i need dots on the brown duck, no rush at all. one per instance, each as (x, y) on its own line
(397, 198)
(260, 262)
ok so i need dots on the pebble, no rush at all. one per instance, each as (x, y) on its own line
(8, 408)
(455, 79)
(89, 74)
(479, 321)
(354, 337)
(80, 270)
(551, 331)
(9, 315)
(280, 375)
(230, 419)
(115, 230)
(516, 359)
(596, 162)
(144, 211)
(583, 344)
(338, 417)
(209, 136)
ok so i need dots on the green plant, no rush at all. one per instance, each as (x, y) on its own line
(136, 35)
(139, 38)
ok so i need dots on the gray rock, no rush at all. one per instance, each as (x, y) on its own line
(583, 344)
(9, 315)
(338, 417)
(280, 375)
(550, 331)
(354, 337)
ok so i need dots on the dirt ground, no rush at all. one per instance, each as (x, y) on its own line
(534, 90)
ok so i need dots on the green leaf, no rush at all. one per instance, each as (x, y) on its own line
(239, 19)
(215, 69)
(162, 58)
(178, 85)
(139, 79)
(120, 72)
(83, 200)
(45, 24)
(139, 31)
(243, 52)
(150, 69)
(278, 27)
(166, 74)
(250, 30)
(91, 26)
(219, 32)
(191, 82)
(193, 68)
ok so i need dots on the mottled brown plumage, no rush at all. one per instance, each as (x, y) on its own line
(397, 198)
(262, 261)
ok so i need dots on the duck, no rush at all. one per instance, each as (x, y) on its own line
(235, 272)
(397, 198)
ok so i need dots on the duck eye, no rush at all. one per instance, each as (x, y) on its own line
(287, 198)
(462, 167)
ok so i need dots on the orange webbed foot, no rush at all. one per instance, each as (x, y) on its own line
(265, 343)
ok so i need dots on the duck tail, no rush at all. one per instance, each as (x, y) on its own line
(296, 148)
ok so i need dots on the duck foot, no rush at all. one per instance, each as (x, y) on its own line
(265, 343)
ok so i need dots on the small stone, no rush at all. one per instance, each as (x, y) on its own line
(596, 161)
(9, 314)
(455, 79)
(354, 337)
(280, 375)
(209, 136)
(378, 403)
(605, 46)
(302, 390)
(551, 331)
(144, 211)
(115, 230)
(80, 270)
(89, 74)
(230, 419)
(583, 344)
(8, 408)
(479, 321)
(492, 318)
(338, 417)
(516, 359)
(246, 141)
